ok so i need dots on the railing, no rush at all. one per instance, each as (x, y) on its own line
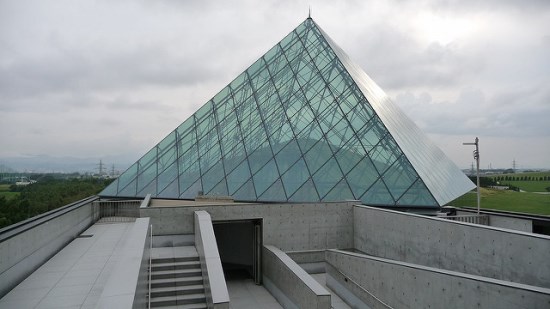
(150, 268)
(380, 302)
(475, 219)
(118, 211)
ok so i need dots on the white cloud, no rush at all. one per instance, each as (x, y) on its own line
(94, 78)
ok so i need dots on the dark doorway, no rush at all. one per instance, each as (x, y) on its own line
(240, 247)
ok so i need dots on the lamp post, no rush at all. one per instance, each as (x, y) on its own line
(476, 156)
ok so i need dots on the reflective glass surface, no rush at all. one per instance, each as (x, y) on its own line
(298, 125)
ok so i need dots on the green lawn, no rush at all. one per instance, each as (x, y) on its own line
(525, 202)
(9, 195)
(529, 186)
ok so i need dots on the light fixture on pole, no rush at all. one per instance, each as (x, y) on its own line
(476, 156)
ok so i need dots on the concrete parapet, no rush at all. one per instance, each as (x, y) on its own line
(289, 283)
(127, 286)
(25, 246)
(467, 248)
(384, 283)
(290, 227)
(215, 286)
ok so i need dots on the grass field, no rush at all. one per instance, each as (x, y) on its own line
(5, 191)
(527, 185)
(526, 202)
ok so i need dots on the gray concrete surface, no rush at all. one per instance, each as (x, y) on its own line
(127, 286)
(289, 283)
(290, 227)
(215, 286)
(507, 222)
(75, 277)
(23, 253)
(473, 249)
(245, 294)
(405, 285)
(335, 301)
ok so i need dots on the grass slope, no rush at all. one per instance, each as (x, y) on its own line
(526, 202)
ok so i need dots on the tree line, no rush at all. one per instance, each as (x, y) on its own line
(47, 194)
(521, 178)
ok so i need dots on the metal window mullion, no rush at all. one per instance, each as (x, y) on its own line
(265, 129)
(238, 127)
(292, 129)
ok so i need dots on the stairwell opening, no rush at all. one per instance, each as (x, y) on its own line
(240, 246)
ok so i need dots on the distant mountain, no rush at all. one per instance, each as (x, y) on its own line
(49, 164)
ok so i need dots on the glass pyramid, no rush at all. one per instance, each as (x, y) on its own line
(301, 124)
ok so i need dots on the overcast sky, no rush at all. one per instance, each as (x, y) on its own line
(97, 79)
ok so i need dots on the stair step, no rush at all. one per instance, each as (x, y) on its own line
(177, 290)
(178, 300)
(176, 265)
(187, 306)
(176, 273)
(183, 281)
(175, 259)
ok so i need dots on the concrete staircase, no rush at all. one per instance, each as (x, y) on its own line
(176, 278)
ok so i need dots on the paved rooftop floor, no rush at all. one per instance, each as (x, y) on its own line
(76, 275)
(245, 294)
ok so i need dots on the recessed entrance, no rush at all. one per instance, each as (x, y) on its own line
(240, 247)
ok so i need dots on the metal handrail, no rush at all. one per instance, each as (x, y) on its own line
(476, 219)
(150, 266)
(362, 288)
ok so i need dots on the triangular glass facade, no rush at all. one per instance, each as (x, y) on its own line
(295, 126)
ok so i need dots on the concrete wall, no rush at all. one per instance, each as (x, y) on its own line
(290, 284)
(127, 286)
(468, 248)
(403, 285)
(23, 252)
(215, 287)
(507, 222)
(305, 226)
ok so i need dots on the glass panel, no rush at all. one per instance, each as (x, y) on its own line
(378, 194)
(188, 159)
(129, 175)
(146, 176)
(192, 191)
(238, 176)
(326, 177)
(189, 177)
(186, 126)
(287, 156)
(309, 136)
(318, 155)
(166, 159)
(275, 193)
(246, 192)
(306, 193)
(148, 159)
(172, 190)
(233, 157)
(417, 195)
(111, 189)
(265, 177)
(220, 189)
(151, 188)
(340, 192)
(361, 177)
(212, 177)
(167, 176)
(384, 154)
(399, 177)
(167, 143)
(129, 190)
(295, 177)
